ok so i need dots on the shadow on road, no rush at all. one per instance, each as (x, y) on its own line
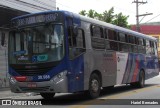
(79, 98)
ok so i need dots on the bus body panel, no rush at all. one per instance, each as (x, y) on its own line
(122, 61)
(152, 67)
(135, 63)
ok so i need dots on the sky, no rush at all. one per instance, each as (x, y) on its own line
(124, 6)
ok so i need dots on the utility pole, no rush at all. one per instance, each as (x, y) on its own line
(137, 13)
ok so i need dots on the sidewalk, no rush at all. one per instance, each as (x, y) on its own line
(6, 93)
(4, 89)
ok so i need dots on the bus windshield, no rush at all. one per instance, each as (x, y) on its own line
(37, 44)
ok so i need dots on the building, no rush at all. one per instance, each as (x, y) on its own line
(152, 29)
(8, 10)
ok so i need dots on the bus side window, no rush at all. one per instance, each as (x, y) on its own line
(148, 47)
(132, 41)
(80, 39)
(155, 48)
(152, 48)
(112, 44)
(122, 37)
(141, 45)
(78, 45)
(112, 35)
(122, 42)
(96, 31)
(70, 38)
(106, 33)
(97, 37)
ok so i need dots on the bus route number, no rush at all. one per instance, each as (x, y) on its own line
(44, 77)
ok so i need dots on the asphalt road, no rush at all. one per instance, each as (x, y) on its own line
(120, 96)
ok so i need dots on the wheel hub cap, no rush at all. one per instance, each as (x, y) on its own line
(94, 85)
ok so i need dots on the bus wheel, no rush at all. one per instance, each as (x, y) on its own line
(141, 81)
(47, 95)
(94, 86)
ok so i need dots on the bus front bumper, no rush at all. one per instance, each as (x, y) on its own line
(56, 86)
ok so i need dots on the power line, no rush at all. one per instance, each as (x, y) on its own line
(153, 18)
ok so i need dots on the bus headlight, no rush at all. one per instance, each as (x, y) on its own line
(12, 80)
(59, 77)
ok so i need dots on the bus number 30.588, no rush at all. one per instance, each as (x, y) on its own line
(43, 77)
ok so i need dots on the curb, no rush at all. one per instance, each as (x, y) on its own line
(4, 89)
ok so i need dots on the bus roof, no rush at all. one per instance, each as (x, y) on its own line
(94, 21)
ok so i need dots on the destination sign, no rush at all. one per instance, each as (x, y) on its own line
(37, 18)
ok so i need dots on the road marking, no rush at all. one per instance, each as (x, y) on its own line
(101, 100)
(117, 96)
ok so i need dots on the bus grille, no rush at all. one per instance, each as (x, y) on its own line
(32, 72)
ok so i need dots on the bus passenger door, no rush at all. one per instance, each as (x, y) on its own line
(76, 44)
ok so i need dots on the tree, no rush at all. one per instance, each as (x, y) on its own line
(83, 12)
(98, 16)
(108, 16)
(91, 13)
(121, 20)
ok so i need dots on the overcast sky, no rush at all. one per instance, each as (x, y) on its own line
(124, 6)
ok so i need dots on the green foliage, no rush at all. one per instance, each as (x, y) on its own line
(121, 20)
(108, 16)
(83, 12)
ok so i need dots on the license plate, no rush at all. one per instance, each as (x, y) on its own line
(31, 85)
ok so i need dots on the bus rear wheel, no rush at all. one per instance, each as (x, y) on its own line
(47, 95)
(141, 82)
(94, 86)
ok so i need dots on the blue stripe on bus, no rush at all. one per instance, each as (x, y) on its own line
(136, 62)
(76, 76)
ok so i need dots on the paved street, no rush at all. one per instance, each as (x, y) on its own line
(79, 100)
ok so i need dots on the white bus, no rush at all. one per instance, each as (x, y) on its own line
(62, 52)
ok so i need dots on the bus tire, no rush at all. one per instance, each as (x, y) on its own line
(47, 95)
(94, 86)
(141, 82)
